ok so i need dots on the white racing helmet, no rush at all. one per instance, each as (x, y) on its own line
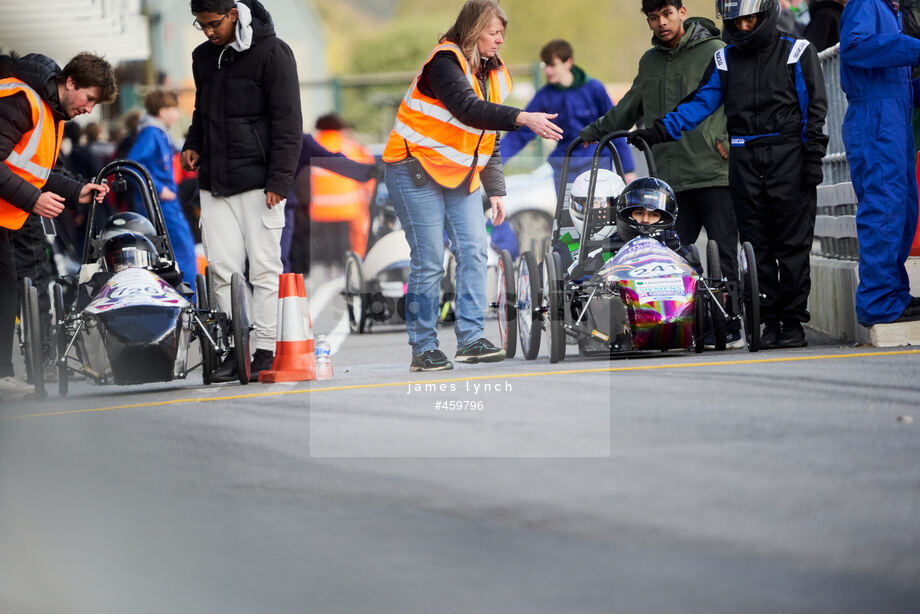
(609, 186)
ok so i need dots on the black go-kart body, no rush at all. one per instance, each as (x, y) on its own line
(139, 325)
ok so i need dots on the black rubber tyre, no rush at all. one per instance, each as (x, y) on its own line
(715, 275)
(507, 304)
(448, 292)
(529, 323)
(749, 289)
(61, 340)
(240, 316)
(32, 338)
(701, 299)
(209, 358)
(355, 294)
(555, 310)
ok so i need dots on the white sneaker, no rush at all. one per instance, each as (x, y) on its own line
(13, 389)
(733, 340)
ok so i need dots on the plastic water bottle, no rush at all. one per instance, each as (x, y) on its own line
(323, 358)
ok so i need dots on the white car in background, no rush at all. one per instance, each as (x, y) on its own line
(530, 205)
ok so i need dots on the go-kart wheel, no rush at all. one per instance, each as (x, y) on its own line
(749, 289)
(60, 335)
(447, 304)
(507, 304)
(210, 284)
(209, 357)
(202, 296)
(528, 306)
(240, 316)
(699, 317)
(553, 293)
(355, 293)
(714, 264)
(32, 338)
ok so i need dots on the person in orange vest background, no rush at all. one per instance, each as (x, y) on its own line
(443, 146)
(339, 206)
(36, 98)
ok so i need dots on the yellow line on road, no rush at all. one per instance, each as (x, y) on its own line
(254, 395)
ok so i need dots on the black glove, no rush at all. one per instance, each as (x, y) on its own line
(653, 135)
(812, 174)
(588, 134)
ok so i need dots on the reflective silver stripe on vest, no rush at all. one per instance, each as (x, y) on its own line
(503, 89)
(23, 161)
(439, 113)
(448, 152)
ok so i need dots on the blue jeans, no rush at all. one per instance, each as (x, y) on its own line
(423, 212)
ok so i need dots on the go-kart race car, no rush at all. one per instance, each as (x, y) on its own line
(375, 286)
(132, 321)
(621, 289)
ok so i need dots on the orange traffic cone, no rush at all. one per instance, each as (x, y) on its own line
(295, 358)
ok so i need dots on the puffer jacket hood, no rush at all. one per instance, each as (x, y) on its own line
(39, 72)
(761, 35)
(254, 26)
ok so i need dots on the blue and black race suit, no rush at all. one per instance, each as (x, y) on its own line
(775, 104)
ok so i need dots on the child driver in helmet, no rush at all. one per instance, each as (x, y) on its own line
(646, 207)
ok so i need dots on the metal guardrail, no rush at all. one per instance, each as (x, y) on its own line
(835, 224)
(836, 169)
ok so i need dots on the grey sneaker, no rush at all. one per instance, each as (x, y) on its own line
(13, 389)
(432, 360)
(480, 350)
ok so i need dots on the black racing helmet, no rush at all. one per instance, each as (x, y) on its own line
(647, 193)
(128, 221)
(731, 9)
(128, 250)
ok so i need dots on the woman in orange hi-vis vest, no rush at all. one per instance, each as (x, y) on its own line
(442, 148)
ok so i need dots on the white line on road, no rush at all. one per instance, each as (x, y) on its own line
(324, 294)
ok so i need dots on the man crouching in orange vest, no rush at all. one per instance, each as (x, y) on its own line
(36, 98)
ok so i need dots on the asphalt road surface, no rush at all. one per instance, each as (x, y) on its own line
(781, 481)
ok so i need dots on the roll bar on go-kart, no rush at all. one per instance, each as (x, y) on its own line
(585, 242)
(121, 170)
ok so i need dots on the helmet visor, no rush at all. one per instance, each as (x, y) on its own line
(730, 9)
(128, 257)
(579, 204)
(651, 200)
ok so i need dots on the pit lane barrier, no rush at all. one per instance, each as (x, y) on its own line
(295, 357)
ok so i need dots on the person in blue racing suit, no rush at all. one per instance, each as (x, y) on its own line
(875, 61)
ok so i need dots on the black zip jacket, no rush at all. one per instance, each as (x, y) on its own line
(39, 72)
(443, 79)
(772, 90)
(247, 123)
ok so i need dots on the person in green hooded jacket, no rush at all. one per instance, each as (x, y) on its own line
(696, 167)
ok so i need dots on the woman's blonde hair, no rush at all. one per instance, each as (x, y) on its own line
(474, 18)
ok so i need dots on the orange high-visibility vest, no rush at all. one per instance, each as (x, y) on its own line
(336, 198)
(34, 155)
(448, 149)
